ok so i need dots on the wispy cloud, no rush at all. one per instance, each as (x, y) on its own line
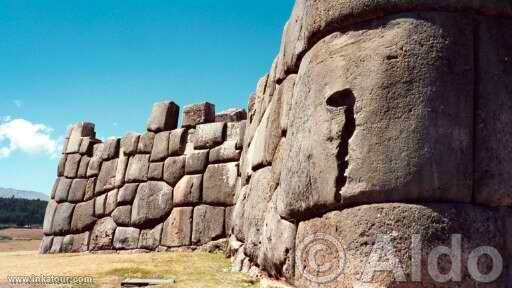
(18, 103)
(25, 136)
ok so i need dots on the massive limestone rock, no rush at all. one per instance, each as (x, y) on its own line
(152, 203)
(354, 241)
(62, 191)
(107, 176)
(196, 162)
(493, 120)
(61, 224)
(177, 142)
(83, 216)
(336, 113)
(164, 117)
(72, 164)
(219, 184)
(48, 217)
(188, 190)
(174, 169)
(138, 167)
(209, 135)
(102, 235)
(177, 229)
(126, 238)
(122, 215)
(231, 115)
(208, 224)
(77, 191)
(160, 146)
(129, 143)
(127, 194)
(198, 114)
(150, 238)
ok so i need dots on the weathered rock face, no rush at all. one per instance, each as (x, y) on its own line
(369, 105)
(362, 231)
(140, 192)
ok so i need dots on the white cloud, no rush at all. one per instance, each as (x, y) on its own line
(18, 103)
(22, 135)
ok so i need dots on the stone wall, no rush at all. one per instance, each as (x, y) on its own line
(167, 188)
(379, 118)
(388, 117)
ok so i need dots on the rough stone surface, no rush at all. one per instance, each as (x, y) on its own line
(102, 235)
(106, 178)
(122, 215)
(198, 114)
(89, 189)
(62, 166)
(145, 145)
(122, 165)
(334, 106)
(83, 216)
(277, 253)
(188, 190)
(152, 203)
(208, 224)
(285, 92)
(138, 167)
(150, 239)
(129, 143)
(78, 243)
(156, 171)
(99, 205)
(358, 229)
(110, 149)
(61, 194)
(160, 147)
(174, 169)
(126, 238)
(48, 217)
(254, 206)
(177, 229)
(111, 202)
(209, 135)
(231, 115)
(127, 193)
(61, 224)
(493, 120)
(226, 152)
(46, 245)
(219, 184)
(82, 168)
(177, 142)
(94, 167)
(77, 191)
(196, 162)
(164, 117)
(56, 245)
(72, 163)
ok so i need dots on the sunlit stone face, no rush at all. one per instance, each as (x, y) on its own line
(378, 116)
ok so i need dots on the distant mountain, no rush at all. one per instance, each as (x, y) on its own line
(20, 194)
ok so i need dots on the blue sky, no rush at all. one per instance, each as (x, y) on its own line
(108, 61)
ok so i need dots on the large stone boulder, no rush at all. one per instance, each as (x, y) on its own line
(188, 190)
(150, 238)
(126, 238)
(177, 229)
(127, 193)
(83, 216)
(77, 191)
(209, 135)
(231, 115)
(357, 244)
(198, 114)
(196, 162)
(76, 243)
(492, 116)
(107, 176)
(177, 142)
(129, 143)
(160, 147)
(48, 217)
(61, 224)
(102, 235)
(62, 191)
(174, 169)
(208, 224)
(72, 164)
(152, 203)
(138, 167)
(164, 117)
(122, 215)
(219, 184)
(336, 114)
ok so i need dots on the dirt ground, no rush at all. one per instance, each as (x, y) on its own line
(190, 269)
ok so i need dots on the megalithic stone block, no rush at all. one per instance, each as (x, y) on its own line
(79, 130)
(198, 114)
(164, 117)
(231, 115)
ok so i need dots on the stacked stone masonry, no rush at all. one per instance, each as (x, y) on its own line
(167, 188)
(379, 118)
(387, 117)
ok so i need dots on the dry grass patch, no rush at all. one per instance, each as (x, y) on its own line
(190, 270)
